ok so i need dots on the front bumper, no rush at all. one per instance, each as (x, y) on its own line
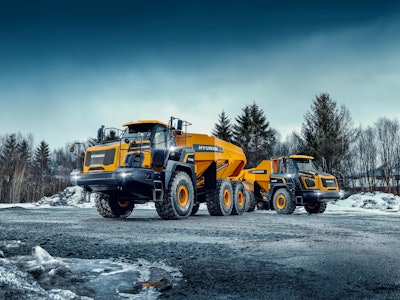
(316, 196)
(134, 182)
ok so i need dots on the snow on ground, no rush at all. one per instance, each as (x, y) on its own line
(376, 202)
(43, 276)
(76, 197)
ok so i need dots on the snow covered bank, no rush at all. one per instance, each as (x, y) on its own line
(376, 201)
(72, 196)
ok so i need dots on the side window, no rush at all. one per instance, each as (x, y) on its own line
(159, 138)
(292, 167)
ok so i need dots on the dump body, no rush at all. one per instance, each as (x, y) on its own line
(153, 161)
(298, 177)
(229, 159)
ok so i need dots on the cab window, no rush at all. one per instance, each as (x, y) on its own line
(159, 138)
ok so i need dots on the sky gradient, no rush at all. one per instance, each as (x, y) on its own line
(68, 67)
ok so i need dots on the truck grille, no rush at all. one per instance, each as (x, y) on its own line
(102, 157)
(328, 183)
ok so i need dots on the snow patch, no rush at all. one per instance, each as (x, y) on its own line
(42, 276)
(74, 196)
(372, 201)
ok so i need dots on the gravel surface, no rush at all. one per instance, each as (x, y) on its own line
(259, 255)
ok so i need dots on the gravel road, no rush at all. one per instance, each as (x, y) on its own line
(260, 255)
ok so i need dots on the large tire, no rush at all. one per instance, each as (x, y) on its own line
(251, 202)
(179, 199)
(220, 200)
(239, 198)
(195, 209)
(283, 203)
(317, 208)
(108, 207)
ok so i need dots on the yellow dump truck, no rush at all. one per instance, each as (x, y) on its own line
(162, 163)
(283, 183)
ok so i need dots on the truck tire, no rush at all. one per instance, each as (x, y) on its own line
(108, 207)
(179, 199)
(239, 198)
(195, 209)
(251, 202)
(283, 203)
(220, 200)
(317, 208)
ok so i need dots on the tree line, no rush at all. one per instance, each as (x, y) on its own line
(27, 173)
(362, 158)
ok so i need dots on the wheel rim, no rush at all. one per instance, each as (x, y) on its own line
(183, 196)
(312, 206)
(227, 198)
(123, 204)
(280, 202)
(240, 199)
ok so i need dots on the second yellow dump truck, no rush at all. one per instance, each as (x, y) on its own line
(283, 183)
(162, 163)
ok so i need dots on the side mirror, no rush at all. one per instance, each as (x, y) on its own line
(100, 134)
(72, 149)
(179, 127)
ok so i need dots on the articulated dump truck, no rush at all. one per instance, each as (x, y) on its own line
(151, 161)
(286, 182)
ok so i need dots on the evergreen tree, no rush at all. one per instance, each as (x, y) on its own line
(253, 133)
(327, 132)
(8, 162)
(223, 128)
(242, 131)
(42, 167)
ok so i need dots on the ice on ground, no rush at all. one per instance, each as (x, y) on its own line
(42, 276)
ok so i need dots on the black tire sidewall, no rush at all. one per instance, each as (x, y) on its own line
(289, 207)
(238, 187)
(181, 178)
(226, 185)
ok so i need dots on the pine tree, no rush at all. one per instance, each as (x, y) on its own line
(242, 130)
(223, 129)
(42, 167)
(327, 132)
(253, 133)
(8, 161)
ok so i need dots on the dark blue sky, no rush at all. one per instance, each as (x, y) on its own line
(80, 59)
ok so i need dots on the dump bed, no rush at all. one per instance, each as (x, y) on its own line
(230, 159)
(260, 174)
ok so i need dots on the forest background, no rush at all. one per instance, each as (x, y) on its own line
(362, 158)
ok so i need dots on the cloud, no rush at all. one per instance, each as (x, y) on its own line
(65, 96)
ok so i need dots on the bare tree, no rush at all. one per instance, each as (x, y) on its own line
(291, 145)
(366, 157)
(387, 132)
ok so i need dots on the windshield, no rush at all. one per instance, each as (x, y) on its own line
(305, 164)
(138, 132)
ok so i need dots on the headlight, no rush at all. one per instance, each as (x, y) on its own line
(310, 183)
(125, 174)
(75, 176)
